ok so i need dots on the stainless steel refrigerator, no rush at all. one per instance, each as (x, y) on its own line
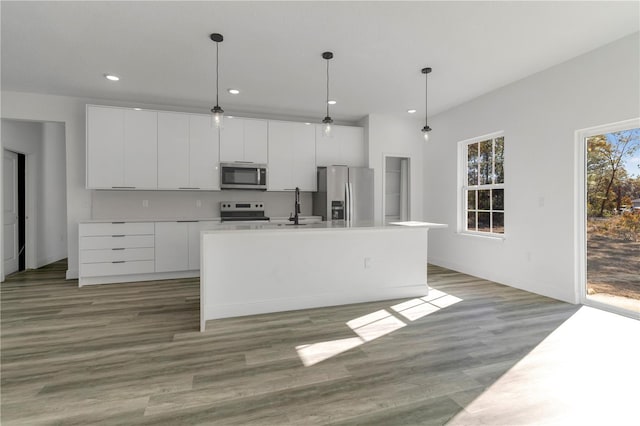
(344, 193)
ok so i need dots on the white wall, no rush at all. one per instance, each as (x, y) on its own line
(539, 115)
(44, 147)
(52, 217)
(400, 137)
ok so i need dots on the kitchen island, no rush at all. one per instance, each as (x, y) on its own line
(254, 269)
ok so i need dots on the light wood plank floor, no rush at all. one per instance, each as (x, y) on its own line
(132, 354)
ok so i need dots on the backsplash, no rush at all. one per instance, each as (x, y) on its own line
(121, 205)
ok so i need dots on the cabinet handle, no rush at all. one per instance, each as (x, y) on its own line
(118, 261)
(117, 223)
(123, 187)
(119, 248)
(117, 236)
(187, 221)
(189, 187)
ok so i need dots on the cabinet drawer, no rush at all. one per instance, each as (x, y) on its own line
(111, 255)
(121, 268)
(118, 228)
(123, 241)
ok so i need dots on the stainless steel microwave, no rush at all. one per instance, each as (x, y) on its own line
(243, 176)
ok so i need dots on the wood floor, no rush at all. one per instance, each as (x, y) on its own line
(132, 354)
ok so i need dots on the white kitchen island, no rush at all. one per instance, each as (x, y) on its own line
(254, 269)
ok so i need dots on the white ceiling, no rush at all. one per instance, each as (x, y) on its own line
(272, 50)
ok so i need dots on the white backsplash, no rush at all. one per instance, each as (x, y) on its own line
(121, 205)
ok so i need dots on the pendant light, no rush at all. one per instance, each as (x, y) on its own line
(218, 113)
(327, 120)
(426, 129)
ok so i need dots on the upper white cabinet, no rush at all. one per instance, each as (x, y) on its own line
(292, 156)
(173, 150)
(204, 144)
(344, 147)
(243, 139)
(187, 152)
(121, 148)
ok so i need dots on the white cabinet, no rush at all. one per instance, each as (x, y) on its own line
(173, 150)
(292, 156)
(105, 147)
(195, 228)
(178, 244)
(115, 249)
(172, 246)
(243, 139)
(204, 142)
(121, 148)
(187, 152)
(344, 147)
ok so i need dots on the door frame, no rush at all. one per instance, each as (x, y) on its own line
(13, 157)
(580, 212)
(384, 182)
(30, 201)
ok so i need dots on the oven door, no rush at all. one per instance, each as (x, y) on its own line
(243, 176)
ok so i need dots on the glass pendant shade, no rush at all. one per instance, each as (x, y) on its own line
(326, 128)
(217, 116)
(425, 132)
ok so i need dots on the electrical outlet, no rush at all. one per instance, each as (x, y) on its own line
(145, 203)
(367, 263)
(198, 203)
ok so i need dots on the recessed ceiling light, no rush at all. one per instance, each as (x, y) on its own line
(137, 109)
(111, 77)
(411, 111)
(233, 91)
(308, 124)
(332, 102)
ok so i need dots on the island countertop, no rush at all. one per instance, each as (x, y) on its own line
(332, 225)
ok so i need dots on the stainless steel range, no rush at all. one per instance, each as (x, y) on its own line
(240, 211)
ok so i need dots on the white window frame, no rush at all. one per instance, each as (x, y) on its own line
(463, 187)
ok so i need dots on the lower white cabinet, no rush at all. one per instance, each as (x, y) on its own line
(172, 246)
(116, 249)
(140, 251)
(194, 240)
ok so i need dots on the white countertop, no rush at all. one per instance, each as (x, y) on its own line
(329, 225)
(191, 219)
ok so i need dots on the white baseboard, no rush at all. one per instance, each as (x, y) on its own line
(72, 274)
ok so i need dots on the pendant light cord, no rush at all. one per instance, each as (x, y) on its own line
(217, 72)
(426, 99)
(327, 87)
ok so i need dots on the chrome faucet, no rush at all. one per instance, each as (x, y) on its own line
(295, 218)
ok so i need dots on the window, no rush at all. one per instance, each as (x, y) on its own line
(482, 160)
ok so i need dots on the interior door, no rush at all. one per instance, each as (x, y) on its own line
(10, 194)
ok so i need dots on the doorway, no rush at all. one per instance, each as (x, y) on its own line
(610, 233)
(396, 189)
(14, 216)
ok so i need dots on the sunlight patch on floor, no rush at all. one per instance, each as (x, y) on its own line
(584, 373)
(376, 324)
